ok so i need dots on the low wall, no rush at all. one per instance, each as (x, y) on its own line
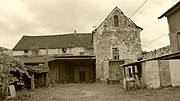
(159, 73)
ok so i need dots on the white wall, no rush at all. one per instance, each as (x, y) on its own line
(174, 66)
(74, 51)
(16, 53)
(151, 74)
(156, 73)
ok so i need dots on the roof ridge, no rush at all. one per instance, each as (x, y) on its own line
(54, 34)
(55, 41)
(117, 8)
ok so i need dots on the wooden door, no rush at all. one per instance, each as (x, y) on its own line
(82, 76)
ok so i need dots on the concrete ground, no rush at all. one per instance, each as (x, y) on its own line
(102, 92)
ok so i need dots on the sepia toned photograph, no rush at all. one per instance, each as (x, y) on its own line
(90, 50)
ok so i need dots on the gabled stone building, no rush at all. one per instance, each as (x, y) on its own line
(117, 38)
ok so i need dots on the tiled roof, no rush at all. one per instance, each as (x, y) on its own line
(55, 41)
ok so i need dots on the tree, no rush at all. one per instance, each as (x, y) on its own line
(8, 64)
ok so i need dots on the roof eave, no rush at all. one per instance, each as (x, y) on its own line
(171, 10)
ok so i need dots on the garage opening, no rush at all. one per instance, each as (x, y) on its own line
(71, 69)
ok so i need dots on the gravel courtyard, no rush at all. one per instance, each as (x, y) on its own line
(102, 92)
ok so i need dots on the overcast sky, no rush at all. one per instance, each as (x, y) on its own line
(46, 17)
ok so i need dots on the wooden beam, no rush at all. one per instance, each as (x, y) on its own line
(57, 72)
(130, 75)
(32, 81)
(47, 80)
(124, 73)
(133, 70)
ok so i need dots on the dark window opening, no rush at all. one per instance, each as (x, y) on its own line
(115, 53)
(81, 53)
(25, 51)
(139, 69)
(130, 75)
(64, 50)
(116, 22)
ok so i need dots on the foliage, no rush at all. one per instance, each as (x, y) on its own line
(9, 64)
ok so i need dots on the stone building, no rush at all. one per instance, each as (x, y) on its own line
(117, 38)
(85, 57)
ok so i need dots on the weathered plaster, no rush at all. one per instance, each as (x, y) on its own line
(151, 74)
(72, 51)
(175, 72)
(174, 28)
(126, 36)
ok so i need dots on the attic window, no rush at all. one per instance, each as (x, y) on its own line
(25, 51)
(81, 53)
(64, 50)
(116, 22)
(115, 53)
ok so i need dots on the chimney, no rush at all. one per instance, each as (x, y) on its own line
(74, 31)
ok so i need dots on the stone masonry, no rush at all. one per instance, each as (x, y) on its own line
(116, 31)
(156, 53)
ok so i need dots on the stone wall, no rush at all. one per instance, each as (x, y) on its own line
(159, 52)
(125, 36)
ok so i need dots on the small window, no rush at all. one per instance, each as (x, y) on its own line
(116, 53)
(25, 51)
(81, 53)
(116, 21)
(64, 50)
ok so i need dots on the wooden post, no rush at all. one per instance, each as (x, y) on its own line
(124, 72)
(57, 72)
(48, 74)
(130, 75)
(47, 80)
(32, 81)
(133, 70)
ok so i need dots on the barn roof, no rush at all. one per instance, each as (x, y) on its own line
(55, 41)
(171, 10)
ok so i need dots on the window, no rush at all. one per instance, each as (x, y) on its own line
(116, 53)
(116, 22)
(64, 50)
(25, 51)
(81, 53)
